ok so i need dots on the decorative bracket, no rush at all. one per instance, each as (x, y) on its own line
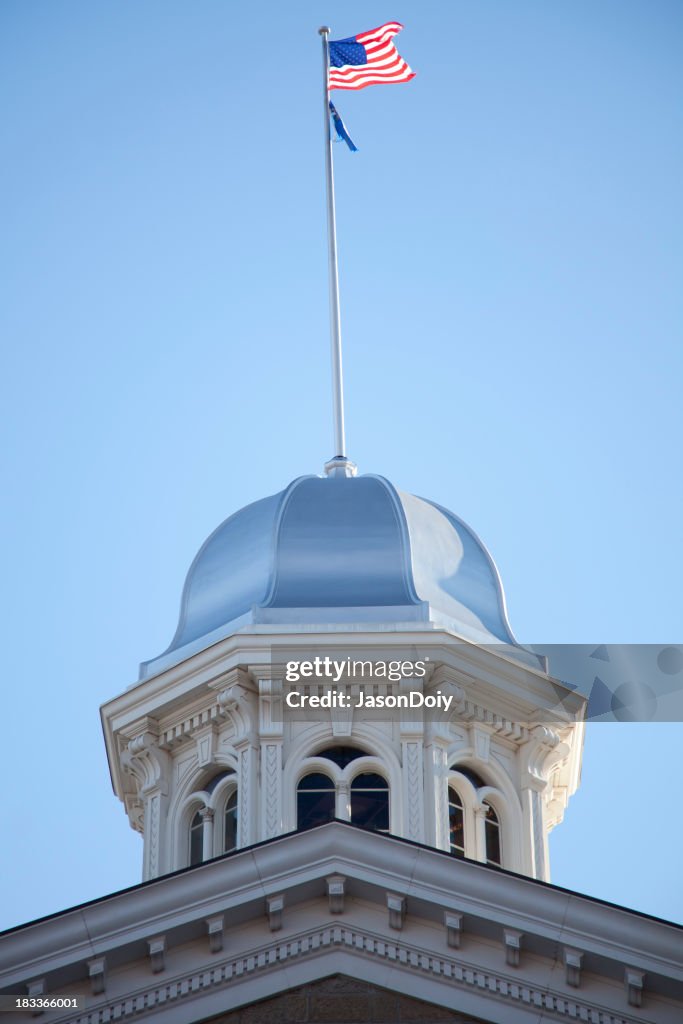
(336, 893)
(230, 697)
(396, 905)
(274, 907)
(572, 966)
(453, 923)
(270, 707)
(633, 980)
(543, 750)
(147, 762)
(36, 987)
(157, 953)
(513, 945)
(97, 971)
(214, 927)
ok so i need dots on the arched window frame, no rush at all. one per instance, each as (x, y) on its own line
(225, 789)
(489, 796)
(474, 801)
(342, 779)
(326, 774)
(378, 774)
(493, 840)
(455, 801)
(195, 833)
(321, 737)
(468, 796)
(213, 801)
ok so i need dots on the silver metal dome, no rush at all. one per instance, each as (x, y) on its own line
(339, 550)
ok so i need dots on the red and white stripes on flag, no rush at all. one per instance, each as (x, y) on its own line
(369, 58)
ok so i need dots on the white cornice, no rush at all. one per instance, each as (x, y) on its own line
(491, 677)
(459, 983)
(296, 867)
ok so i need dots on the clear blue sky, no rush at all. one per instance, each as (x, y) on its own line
(511, 261)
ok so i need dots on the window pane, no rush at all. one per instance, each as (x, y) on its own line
(492, 838)
(369, 780)
(315, 782)
(230, 825)
(314, 808)
(454, 797)
(370, 810)
(370, 802)
(196, 839)
(456, 822)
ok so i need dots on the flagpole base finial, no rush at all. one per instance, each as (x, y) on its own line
(341, 466)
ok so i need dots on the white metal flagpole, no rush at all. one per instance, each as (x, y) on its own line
(339, 464)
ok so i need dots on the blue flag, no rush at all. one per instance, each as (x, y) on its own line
(341, 129)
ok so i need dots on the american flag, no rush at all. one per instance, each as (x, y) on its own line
(367, 59)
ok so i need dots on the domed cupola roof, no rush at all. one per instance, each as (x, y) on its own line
(339, 550)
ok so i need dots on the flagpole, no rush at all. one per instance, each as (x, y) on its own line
(339, 464)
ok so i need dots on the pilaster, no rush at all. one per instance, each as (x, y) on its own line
(247, 782)
(271, 734)
(436, 793)
(412, 767)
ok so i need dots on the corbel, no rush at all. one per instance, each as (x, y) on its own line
(145, 760)
(336, 893)
(157, 953)
(274, 907)
(513, 944)
(36, 987)
(453, 923)
(633, 980)
(542, 751)
(572, 966)
(229, 698)
(214, 927)
(270, 707)
(233, 691)
(396, 905)
(97, 972)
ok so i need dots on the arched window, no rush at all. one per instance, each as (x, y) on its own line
(492, 829)
(315, 800)
(212, 827)
(370, 802)
(230, 823)
(468, 804)
(456, 823)
(196, 839)
(343, 782)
